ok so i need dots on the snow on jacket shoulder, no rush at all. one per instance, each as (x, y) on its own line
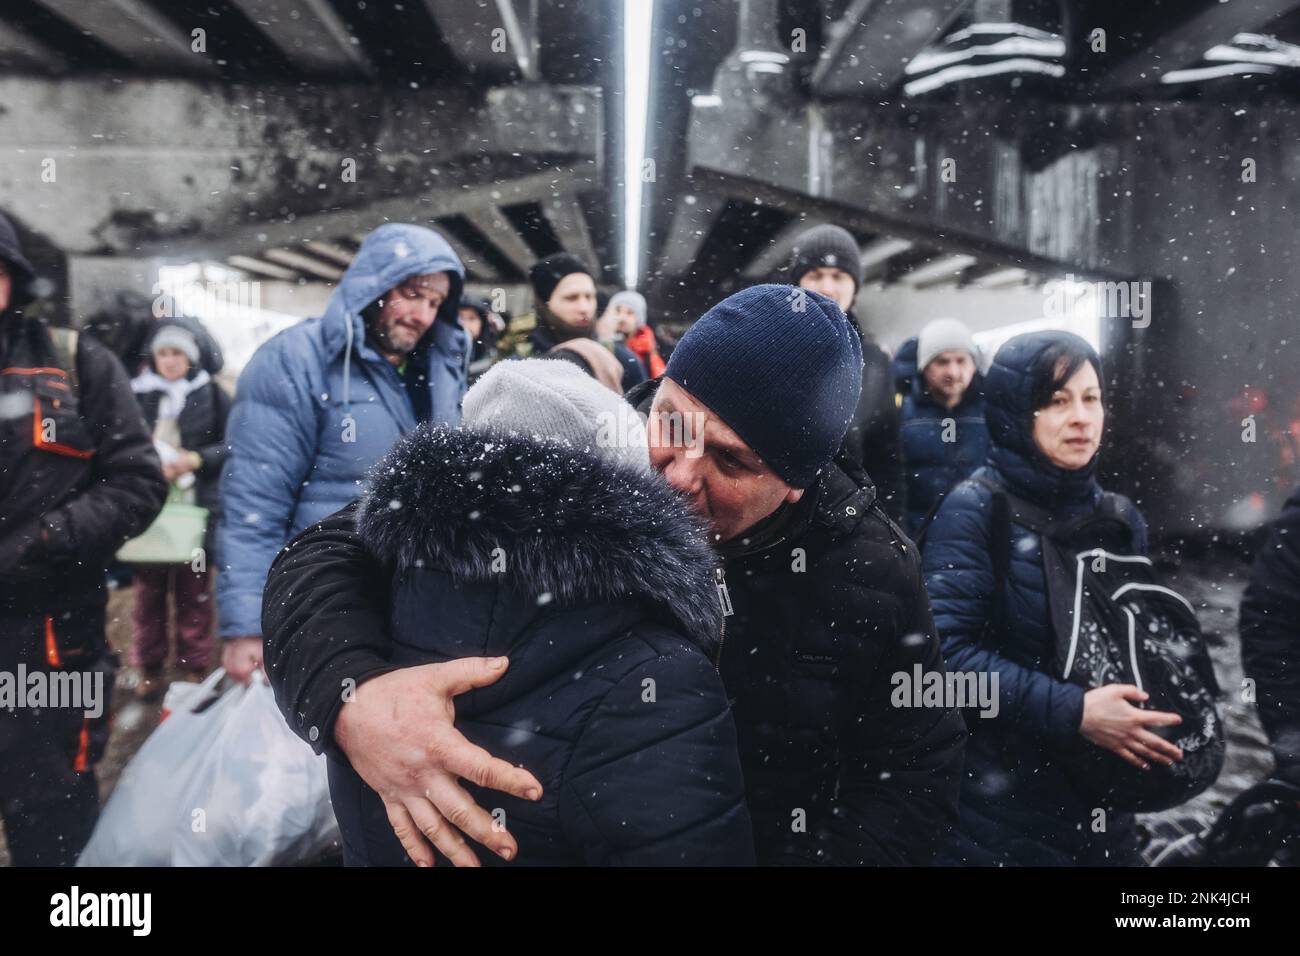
(316, 406)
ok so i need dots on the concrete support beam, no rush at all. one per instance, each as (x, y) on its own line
(876, 256)
(136, 31)
(83, 160)
(944, 269)
(307, 264)
(764, 265)
(22, 53)
(474, 263)
(501, 232)
(261, 267)
(871, 45)
(1184, 44)
(329, 251)
(311, 34)
(492, 37)
(570, 225)
(696, 214)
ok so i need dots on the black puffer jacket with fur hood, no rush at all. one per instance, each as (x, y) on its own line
(597, 584)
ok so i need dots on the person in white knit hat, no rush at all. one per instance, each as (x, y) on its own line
(537, 531)
(943, 435)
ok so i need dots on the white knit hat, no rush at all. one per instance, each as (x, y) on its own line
(175, 337)
(634, 301)
(944, 335)
(546, 398)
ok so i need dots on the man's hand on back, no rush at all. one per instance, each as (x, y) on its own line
(398, 734)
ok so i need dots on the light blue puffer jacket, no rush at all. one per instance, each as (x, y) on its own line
(316, 406)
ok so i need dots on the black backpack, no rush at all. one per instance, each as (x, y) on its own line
(1115, 623)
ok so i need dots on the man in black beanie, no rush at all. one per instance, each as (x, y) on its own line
(78, 477)
(566, 300)
(826, 259)
(822, 595)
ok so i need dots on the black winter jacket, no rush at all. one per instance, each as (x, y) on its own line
(597, 584)
(871, 451)
(78, 477)
(1270, 637)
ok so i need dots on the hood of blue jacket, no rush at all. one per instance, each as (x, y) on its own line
(1009, 414)
(388, 257)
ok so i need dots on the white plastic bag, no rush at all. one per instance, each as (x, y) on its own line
(135, 827)
(221, 782)
(259, 796)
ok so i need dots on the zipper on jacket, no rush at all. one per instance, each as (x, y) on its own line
(724, 598)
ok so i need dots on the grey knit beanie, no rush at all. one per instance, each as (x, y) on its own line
(944, 335)
(175, 337)
(556, 400)
(634, 301)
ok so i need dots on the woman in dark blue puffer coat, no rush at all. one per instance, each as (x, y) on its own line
(1045, 418)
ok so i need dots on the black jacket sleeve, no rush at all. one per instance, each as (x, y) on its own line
(324, 622)
(655, 779)
(127, 488)
(213, 454)
(1270, 636)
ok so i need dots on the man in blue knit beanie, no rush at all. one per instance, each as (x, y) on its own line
(824, 601)
(778, 368)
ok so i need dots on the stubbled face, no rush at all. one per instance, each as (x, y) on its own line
(625, 321)
(172, 364)
(948, 376)
(406, 312)
(471, 323)
(573, 304)
(836, 284)
(700, 456)
(1068, 429)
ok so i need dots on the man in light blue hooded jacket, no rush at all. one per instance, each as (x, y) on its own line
(322, 401)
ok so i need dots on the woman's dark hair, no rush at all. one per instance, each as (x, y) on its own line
(1056, 365)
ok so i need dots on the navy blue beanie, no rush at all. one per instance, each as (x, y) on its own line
(782, 366)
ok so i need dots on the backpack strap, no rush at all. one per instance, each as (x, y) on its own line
(1117, 507)
(65, 353)
(924, 527)
(1000, 551)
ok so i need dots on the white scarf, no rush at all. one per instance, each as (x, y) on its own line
(173, 393)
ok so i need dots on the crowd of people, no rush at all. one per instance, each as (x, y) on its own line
(646, 602)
